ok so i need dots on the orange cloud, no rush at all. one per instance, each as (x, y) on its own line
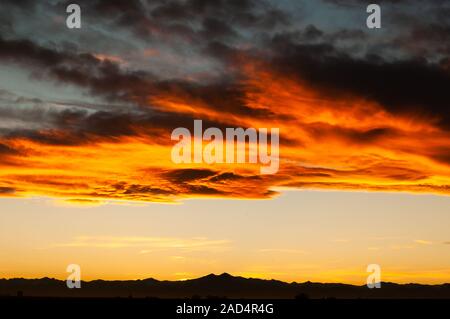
(344, 142)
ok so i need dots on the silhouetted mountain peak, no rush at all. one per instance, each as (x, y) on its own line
(150, 280)
(224, 285)
(223, 276)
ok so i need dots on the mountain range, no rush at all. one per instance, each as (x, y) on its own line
(218, 286)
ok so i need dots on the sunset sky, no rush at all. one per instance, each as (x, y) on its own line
(86, 116)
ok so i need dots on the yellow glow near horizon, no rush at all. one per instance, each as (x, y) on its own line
(321, 236)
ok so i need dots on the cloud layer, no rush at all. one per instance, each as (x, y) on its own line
(356, 109)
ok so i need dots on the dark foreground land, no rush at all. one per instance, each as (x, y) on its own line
(218, 286)
(220, 296)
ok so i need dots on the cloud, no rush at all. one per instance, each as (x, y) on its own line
(423, 242)
(282, 250)
(185, 175)
(7, 150)
(413, 87)
(351, 116)
(7, 190)
(148, 244)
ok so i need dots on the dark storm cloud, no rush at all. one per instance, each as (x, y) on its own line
(84, 70)
(7, 190)
(193, 21)
(187, 181)
(5, 26)
(73, 127)
(402, 86)
(323, 131)
(23, 5)
(187, 175)
(7, 150)
(348, 34)
(76, 127)
(414, 86)
(191, 175)
(138, 190)
(245, 13)
(212, 95)
(152, 66)
(442, 155)
(388, 171)
(203, 190)
(227, 177)
(101, 77)
(9, 154)
(29, 52)
(306, 35)
(214, 28)
(353, 39)
(426, 39)
(107, 79)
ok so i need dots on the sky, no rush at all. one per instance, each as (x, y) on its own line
(86, 115)
(322, 236)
